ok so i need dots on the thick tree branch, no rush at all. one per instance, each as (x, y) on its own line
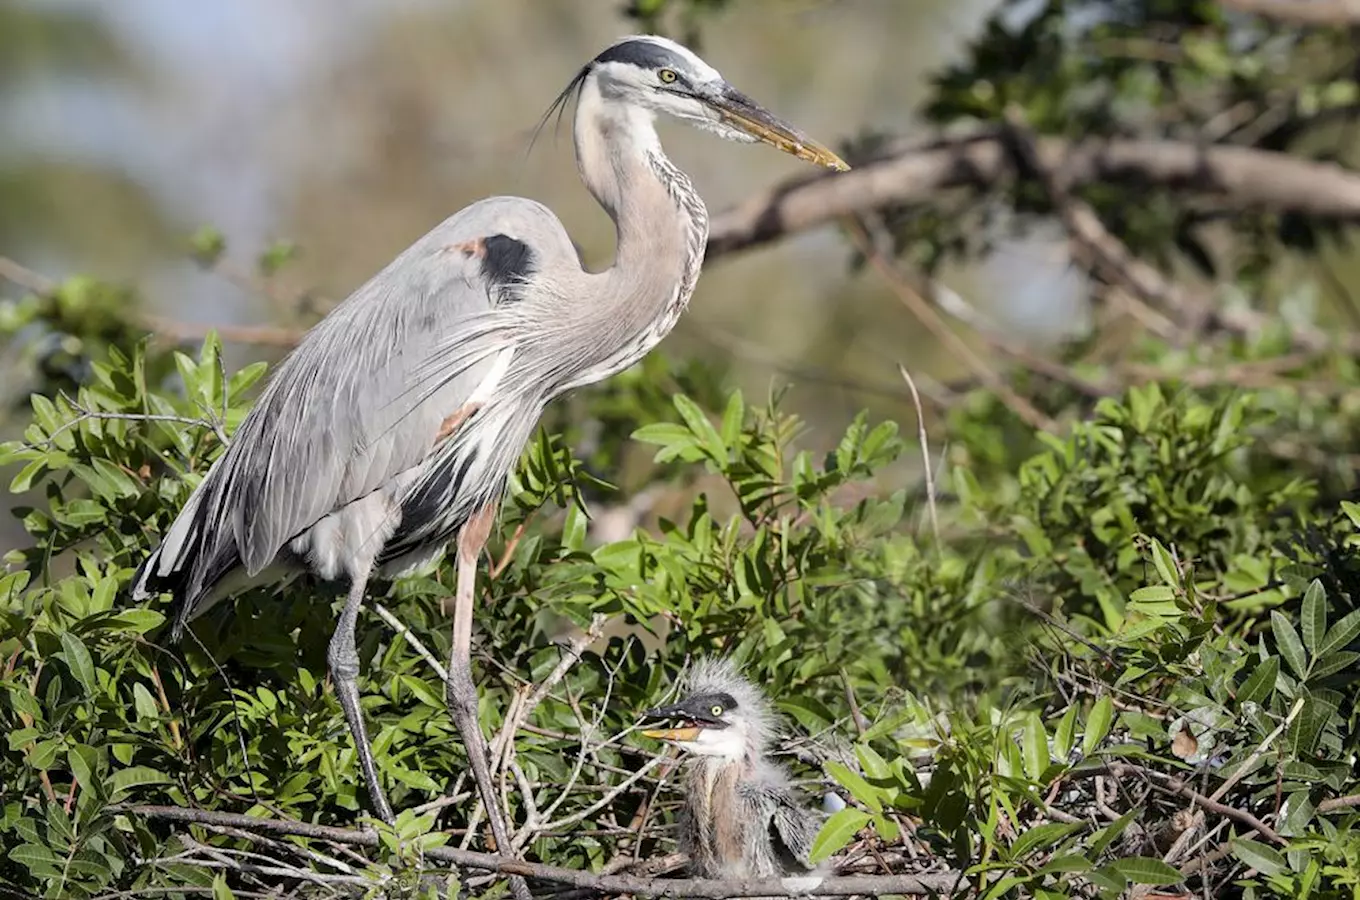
(934, 883)
(1302, 12)
(1241, 178)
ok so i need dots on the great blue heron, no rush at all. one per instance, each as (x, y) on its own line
(393, 426)
(742, 818)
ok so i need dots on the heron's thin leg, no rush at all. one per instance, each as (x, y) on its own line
(344, 662)
(459, 691)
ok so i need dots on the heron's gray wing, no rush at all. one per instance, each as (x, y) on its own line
(344, 414)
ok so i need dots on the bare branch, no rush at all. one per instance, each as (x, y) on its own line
(1302, 12)
(927, 315)
(933, 883)
(1240, 178)
(925, 454)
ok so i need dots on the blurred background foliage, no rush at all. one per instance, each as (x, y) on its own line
(1131, 567)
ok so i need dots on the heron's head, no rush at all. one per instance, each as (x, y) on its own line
(656, 75)
(722, 714)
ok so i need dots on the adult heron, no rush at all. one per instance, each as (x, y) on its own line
(742, 818)
(392, 427)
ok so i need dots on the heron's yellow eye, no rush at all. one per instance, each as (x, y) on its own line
(666, 75)
(716, 710)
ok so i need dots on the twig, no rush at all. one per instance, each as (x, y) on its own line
(509, 552)
(928, 316)
(1174, 785)
(569, 658)
(925, 453)
(1256, 754)
(1104, 252)
(400, 628)
(1332, 804)
(85, 415)
(930, 883)
(607, 798)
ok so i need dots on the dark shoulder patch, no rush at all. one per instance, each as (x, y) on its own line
(643, 54)
(507, 260)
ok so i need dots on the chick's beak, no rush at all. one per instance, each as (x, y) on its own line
(742, 112)
(685, 735)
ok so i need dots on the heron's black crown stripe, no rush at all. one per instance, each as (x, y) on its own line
(643, 54)
(507, 260)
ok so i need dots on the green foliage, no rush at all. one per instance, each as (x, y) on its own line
(1121, 653)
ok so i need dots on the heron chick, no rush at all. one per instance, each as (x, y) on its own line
(742, 817)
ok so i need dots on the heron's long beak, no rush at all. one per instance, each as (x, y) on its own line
(741, 111)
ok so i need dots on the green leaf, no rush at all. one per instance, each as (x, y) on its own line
(1165, 565)
(875, 766)
(1332, 663)
(837, 832)
(1287, 640)
(1341, 634)
(82, 759)
(1035, 744)
(144, 703)
(1260, 684)
(574, 529)
(1065, 736)
(125, 780)
(860, 789)
(138, 620)
(78, 661)
(1097, 725)
(1041, 837)
(1314, 620)
(1071, 862)
(1146, 870)
(701, 428)
(39, 860)
(220, 889)
(732, 420)
(1259, 856)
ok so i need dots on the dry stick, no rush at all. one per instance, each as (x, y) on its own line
(1174, 785)
(1325, 13)
(926, 314)
(1103, 252)
(400, 628)
(931, 883)
(165, 705)
(1335, 803)
(1257, 753)
(925, 453)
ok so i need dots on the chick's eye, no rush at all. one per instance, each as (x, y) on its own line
(716, 710)
(666, 75)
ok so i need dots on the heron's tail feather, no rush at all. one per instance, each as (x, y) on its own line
(178, 566)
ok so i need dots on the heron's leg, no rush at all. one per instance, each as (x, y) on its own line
(344, 662)
(460, 693)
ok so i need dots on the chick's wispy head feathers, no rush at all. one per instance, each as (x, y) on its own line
(719, 675)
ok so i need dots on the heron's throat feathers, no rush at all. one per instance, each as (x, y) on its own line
(662, 228)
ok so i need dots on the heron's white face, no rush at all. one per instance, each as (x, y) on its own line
(686, 90)
(660, 76)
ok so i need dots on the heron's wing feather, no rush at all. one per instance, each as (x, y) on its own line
(792, 829)
(346, 413)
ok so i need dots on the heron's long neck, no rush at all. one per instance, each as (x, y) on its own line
(662, 228)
